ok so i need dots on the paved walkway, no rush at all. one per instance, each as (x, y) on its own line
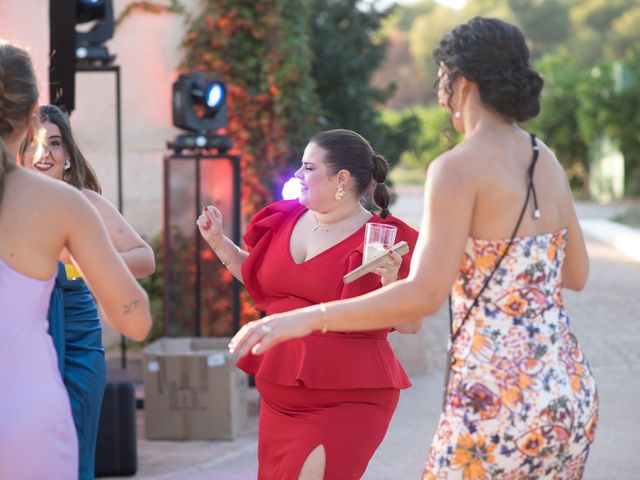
(606, 318)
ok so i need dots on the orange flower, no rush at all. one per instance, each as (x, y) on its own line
(275, 91)
(487, 261)
(576, 384)
(515, 305)
(470, 455)
(532, 443)
(510, 397)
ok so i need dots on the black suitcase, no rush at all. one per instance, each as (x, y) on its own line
(116, 448)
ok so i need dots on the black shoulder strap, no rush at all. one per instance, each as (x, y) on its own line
(536, 214)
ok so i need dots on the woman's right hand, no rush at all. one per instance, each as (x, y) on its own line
(210, 225)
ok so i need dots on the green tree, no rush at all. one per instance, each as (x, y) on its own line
(609, 103)
(558, 123)
(545, 23)
(425, 35)
(602, 29)
(260, 48)
(347, 49)
(435, 133)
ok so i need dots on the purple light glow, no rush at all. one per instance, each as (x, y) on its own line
(291, 189)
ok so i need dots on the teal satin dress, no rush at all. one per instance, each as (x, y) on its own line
(75, 327)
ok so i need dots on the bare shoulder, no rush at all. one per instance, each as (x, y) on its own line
(46, 191)
(546, 152)
(97, 200)
(454, 167)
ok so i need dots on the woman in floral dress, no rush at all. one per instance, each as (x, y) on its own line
(501, 237)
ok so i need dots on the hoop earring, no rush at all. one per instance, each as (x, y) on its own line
(340, 192)
(67, 165)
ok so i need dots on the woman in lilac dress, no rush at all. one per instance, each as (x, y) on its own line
(38, 217)
(74, 322)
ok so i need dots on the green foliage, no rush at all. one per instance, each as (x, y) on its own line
(588, 52)
(173, 6)
(435, 134)
(403, 18)
(425, 35)
(545, 23)
(558, 123)
(260, 48)
(347, 49)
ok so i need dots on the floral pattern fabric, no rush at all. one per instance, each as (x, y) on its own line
(521, 400)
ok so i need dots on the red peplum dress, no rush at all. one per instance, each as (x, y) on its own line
(338, 390)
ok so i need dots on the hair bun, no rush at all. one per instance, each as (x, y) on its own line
(494, 55)
(516, 92)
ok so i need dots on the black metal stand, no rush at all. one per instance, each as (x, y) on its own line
(91, 68)
(198, 157)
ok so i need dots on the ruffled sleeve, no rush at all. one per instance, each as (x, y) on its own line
(258, 237)
(268, 220)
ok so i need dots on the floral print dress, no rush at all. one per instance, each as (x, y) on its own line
(521, 400)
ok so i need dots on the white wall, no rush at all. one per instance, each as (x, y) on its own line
(147, 50)
(26, 23)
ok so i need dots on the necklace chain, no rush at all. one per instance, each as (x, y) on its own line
(328, 228)
(318, 226)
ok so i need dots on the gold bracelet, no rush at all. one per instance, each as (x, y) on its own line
(323, 309)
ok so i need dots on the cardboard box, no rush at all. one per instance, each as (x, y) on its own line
(193, 390)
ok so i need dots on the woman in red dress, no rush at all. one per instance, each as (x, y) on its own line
(327, 398)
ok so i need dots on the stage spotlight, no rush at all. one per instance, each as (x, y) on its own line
(89, 44)
(200, 107)
(199, 103)
(291, 189)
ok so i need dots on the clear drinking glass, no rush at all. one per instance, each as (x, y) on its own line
(378, 239)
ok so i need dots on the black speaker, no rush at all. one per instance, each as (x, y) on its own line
(62, 54)
(116, 448)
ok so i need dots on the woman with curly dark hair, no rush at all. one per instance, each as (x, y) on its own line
(501, 238)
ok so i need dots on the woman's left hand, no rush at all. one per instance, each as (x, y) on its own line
(389, 271)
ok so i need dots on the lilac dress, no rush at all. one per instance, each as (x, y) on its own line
(37, 435)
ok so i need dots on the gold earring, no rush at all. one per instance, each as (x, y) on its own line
(340, 191)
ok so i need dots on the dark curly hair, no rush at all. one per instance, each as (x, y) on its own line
(494, 55)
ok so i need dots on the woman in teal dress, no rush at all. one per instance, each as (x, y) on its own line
(74, 323)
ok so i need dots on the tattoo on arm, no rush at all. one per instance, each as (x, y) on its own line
(131, 307)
